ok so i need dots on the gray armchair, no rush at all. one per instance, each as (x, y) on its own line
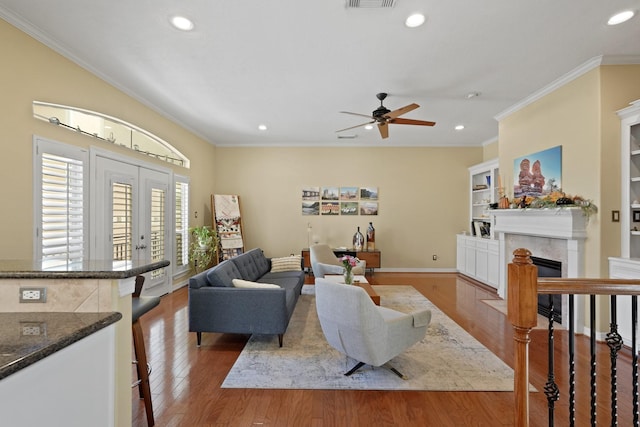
(355, 326)
(324, 261)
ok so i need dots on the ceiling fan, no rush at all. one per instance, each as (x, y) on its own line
(383, 117)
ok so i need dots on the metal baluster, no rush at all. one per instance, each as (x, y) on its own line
(614, 341)
(572, 364)
(634, 356)
(592, 345)
(551, 388)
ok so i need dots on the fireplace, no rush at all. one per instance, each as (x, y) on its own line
(549, 268)
(555, 234)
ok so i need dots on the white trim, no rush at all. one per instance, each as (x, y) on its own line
(568, 78)
(489, 141)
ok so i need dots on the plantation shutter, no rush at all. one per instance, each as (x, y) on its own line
(62, 210)
(158, 197)
(122, 221)
(182, 224)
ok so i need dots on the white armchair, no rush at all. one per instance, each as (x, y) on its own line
(324, 261)
(355, 326)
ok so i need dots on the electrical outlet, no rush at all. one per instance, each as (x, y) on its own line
(33, 294)
(33, 329)
(435, 257)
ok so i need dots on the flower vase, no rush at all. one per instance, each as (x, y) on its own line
(348, 277)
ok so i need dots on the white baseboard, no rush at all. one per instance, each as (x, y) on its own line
(416, 270)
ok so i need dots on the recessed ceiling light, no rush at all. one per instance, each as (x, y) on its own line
(182, 23)
(368, 127)
(414, 20)
(621, 17)
(471, 95)
(262, 127)
(459, 127)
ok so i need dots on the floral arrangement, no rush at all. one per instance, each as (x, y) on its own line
(555, 199)
(349, 262)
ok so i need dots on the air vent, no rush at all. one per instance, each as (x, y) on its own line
(370, 4)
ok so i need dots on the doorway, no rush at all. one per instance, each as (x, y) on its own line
(132, 218)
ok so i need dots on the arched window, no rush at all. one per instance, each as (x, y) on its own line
(110, 130)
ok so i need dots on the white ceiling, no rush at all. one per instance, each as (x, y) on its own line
(295, 64)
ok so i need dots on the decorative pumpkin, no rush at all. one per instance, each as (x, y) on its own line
(503, 203)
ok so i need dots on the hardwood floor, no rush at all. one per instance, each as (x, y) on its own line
(185, 382)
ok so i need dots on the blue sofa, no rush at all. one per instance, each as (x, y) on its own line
(215, 305)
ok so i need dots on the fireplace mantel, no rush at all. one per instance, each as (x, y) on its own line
(557, 223)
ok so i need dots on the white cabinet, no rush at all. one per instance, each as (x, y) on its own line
(71, 387)
(477, 256)
(478, 259)
(624, 268)
(630, 163)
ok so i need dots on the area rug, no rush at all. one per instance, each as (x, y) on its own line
(447, 359)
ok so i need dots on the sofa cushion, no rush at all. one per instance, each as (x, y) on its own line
(249, 268)
(239, 283)
(261, 261)
(288, 263)
(223, 274)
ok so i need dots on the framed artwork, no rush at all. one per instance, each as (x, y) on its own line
(368, 193)
(338, 200)
(368, 208)
(538, 174)
(348, 193)
(311, 193)
(330, 208)
(348, 208)
(310, 208)
(636, 216)
(330, 193)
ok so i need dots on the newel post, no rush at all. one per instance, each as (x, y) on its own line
(522, 312)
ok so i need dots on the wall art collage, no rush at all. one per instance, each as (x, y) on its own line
(332, 201)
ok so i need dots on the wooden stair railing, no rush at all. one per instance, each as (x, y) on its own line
(522, 295)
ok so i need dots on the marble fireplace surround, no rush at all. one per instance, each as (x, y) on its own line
(557, 234)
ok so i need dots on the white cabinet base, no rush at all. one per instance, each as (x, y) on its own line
(478, 258)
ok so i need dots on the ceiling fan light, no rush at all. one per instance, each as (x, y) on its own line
(621, 17)
(415, 20)
(182, 23)
(368, 127)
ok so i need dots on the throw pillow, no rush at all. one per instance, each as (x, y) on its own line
(288, 263)
(239, 283)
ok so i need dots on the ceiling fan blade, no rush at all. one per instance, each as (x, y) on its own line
(411, 122)
(384, 129)
(357, 114)
(400, 111)
(356, 126)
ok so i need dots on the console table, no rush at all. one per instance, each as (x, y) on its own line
(372, 258)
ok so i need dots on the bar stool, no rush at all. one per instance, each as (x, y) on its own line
(139, 306)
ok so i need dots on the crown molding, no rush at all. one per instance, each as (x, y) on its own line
(567, 78)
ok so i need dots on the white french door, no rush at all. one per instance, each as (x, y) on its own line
(132, 220)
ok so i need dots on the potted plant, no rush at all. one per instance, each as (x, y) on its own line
(204, 247)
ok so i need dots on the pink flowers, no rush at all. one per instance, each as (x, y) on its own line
(349, 262)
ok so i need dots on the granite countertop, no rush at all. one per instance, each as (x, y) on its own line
(26, 338)
(92, 269)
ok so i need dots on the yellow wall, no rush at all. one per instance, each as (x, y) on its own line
(580, 116)
(424, 198)
(490, 151)
(31, 71)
